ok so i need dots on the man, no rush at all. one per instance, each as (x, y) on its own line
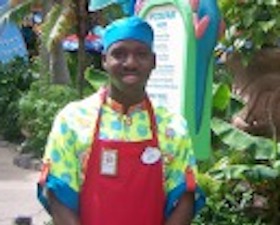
(115, 158)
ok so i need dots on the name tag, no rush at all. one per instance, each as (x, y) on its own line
(109, 162)
(151, 155)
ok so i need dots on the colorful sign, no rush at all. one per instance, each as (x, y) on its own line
(165, 85)
(175, 82)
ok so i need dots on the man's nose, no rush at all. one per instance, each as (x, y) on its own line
(131, 61)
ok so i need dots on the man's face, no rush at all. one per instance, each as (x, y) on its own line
(129, 64)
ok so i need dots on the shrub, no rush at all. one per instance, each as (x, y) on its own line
(38, 109)
(15, 79)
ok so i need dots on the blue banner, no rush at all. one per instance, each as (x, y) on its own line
(11, 42)
(127, 5)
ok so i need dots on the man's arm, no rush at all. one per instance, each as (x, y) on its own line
(183, 213)
(61, 215)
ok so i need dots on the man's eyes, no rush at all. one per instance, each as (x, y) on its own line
(119, 54)
(143, 54)
(123, 54)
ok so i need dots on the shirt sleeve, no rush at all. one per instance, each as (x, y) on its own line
(60, 169)
(181, 167)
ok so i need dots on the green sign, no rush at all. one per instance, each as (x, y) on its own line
(172, 83)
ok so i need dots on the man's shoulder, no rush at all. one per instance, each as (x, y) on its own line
(82, 107)
(89, 103)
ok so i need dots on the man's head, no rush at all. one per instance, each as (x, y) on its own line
(128, 56)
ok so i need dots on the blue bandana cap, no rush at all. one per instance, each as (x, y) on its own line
(129, 28)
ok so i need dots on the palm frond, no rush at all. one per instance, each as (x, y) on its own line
(17, 12)
(57, 24)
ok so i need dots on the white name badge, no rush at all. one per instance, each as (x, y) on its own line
(109, 162)
(150, 155)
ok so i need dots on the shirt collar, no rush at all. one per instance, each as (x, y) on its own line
(118, 107)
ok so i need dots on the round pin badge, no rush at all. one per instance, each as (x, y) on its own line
(150, 155)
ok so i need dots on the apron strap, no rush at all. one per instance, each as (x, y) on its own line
(153, 122)
(97, 123)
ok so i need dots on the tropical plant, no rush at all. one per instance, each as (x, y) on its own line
(96, 78)
(241, 178)
(37, 110)
(253, 162)
(252, 25)
(71, 16)
(59, 18)
(15, 79)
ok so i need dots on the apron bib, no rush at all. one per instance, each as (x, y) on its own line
(124, 181)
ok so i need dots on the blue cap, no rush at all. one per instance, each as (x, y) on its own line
(128, 28)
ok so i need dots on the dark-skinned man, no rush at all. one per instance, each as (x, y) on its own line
(116, 158)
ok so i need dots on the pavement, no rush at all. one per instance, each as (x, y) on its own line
(18, 189)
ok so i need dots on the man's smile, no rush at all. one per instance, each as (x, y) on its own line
(130, 78)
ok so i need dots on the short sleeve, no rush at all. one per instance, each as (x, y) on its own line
(67, 148)
(60, 172)
(180, 165)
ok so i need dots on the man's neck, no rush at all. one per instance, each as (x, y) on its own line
(126, 99)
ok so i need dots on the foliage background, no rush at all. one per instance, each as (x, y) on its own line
(251, 24)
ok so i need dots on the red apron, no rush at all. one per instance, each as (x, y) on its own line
(134, 195)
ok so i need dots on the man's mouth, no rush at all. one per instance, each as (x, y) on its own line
(130, 78)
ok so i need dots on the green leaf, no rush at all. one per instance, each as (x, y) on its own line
(268, 25)
(230, 172)
(96, 78)
(248, 18)
(260, 172)
(208, 183)
(50, 23)
(239, 140)
(272, 2)
(236, 171)
(221, 164)
(236, 139)
(276, 165)
(221, 96)
(17, 12)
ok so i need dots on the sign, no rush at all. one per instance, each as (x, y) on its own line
(165, 85)
(173, 82)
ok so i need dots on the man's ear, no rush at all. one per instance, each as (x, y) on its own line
(154, 60)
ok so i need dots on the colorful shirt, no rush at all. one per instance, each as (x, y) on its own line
(70, 140)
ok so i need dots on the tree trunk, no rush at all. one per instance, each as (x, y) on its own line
(58, 65)
(82, 31)
(53, 62)
(43, 52)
